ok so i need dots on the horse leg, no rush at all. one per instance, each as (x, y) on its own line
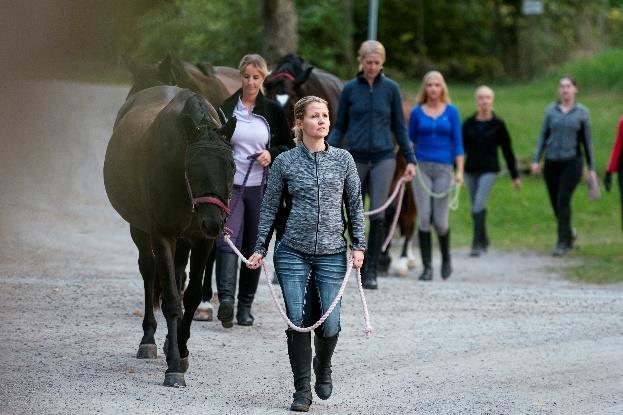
(164, 250)
(147, 348)
(182, 250)
(192, 296)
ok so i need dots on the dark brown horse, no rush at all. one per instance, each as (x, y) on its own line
(168, 172)
(406, 220)
(293, 79)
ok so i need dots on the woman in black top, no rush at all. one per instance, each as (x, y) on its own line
(483, 133)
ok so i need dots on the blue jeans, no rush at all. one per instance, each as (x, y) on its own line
(309, 284)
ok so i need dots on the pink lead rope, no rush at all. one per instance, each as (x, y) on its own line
(367, 331)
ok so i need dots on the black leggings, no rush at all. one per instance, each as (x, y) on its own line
(562, 177)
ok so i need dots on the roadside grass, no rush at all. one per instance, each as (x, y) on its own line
(524, 219)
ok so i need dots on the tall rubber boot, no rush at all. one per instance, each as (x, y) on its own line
(226, 276)
(427, 256)
(446, 263)
(371, 258)
(325, 346)
(300, 353)
(247, 286)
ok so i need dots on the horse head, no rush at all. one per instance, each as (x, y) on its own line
(285, 82)
(147, 75)
(209, 164)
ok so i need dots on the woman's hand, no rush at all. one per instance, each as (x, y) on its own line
(517, 183)
(458, 178)
(357, 257)
(535, 168)
(264, 158)
(409, 172)
(255, 261)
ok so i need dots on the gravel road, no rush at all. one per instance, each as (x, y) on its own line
(505, 335)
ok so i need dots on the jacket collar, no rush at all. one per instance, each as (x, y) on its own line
(230, 104)
(327, 149)
(363, 79)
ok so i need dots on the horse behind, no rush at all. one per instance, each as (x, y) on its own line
(293, 79)
(168, 172)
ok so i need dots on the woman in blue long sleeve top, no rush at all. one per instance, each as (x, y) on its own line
(369, 116)
(435, 130)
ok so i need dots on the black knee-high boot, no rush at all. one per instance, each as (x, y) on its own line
(300, 353)
(226, 275)
(371, 258)
(427, 256)
(446, 263)
(247, 286)
(325, 346)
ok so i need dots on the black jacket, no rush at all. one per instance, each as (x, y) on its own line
(481, 140)
(280, 138)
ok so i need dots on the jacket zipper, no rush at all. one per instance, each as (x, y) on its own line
(318, 194)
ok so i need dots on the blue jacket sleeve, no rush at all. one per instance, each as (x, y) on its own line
(399, 128)
(457, 132)
(341, 123)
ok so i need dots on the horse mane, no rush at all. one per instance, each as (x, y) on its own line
(206, 68)
(292, 64)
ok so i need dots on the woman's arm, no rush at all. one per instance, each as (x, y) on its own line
(504, 141)
(613, 165)
(586, 139)
(341, 123)
(457, 143)
(399, 128)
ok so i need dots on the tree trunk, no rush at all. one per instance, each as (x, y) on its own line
(280, 29)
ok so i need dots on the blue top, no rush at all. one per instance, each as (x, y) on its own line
(368, 117)
(438, 139)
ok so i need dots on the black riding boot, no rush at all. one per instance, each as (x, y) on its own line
(300, 353)
(247, 286)
(226, 276)
(371, 258)
(479, 242)
(427, 257)
(446, 263)
(325, 347)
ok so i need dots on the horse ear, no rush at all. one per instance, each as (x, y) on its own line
(300, 80)
(228, 129)
(133, 66)
(164, 71)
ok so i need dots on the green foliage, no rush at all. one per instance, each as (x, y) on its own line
(216, 31)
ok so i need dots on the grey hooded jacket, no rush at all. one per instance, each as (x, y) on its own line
(316, 186)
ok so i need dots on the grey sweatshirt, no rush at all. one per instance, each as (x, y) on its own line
(562, 134)
(316, 186)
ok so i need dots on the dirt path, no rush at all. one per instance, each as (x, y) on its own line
(505, 335)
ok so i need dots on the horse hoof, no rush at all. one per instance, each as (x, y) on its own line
(147, 351)
(204, 312)
(184, 364)
(174, 380)
(165, 346)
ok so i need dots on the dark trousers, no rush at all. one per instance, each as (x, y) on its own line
(562, 178)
